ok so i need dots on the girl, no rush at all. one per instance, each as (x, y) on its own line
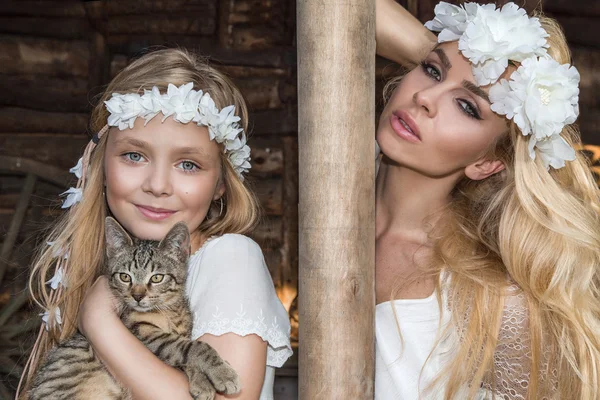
(488, 228)
(169, 148)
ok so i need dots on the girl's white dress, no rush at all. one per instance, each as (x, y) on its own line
(231, 290)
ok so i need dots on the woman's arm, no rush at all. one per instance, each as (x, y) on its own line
(400, 36)
(138, 369)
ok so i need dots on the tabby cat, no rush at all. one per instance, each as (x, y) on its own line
(148, 279)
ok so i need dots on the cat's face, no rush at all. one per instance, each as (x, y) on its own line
(147, 275)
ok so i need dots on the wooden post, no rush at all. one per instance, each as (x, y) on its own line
(336, 114)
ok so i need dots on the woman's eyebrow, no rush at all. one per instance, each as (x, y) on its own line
(443, 58)
(476, 90)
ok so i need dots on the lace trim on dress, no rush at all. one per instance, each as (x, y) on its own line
(278, 349)
(512, 360)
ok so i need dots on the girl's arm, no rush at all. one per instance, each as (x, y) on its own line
(138, 369)
(247, 355)
(400, 36)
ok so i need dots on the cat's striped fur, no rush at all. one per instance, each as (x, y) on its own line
(149, 280)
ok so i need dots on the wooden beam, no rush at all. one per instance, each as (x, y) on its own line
(570, 7)
(336, 120)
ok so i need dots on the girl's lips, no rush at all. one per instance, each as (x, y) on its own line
(155, 213)
(397, 125)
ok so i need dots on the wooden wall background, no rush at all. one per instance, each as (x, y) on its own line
(56, 55)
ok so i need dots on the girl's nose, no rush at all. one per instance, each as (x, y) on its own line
(158, 181)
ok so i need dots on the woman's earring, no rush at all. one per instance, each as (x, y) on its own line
(221, 211)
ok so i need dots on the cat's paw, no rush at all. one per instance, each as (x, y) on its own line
(224, 379)
(200, 386)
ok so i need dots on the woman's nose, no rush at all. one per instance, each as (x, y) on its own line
(427, 99)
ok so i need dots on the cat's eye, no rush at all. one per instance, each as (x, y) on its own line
(158, 278)
(125, 277)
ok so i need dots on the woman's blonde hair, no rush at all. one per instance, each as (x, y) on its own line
(81, 229)
(538, 230)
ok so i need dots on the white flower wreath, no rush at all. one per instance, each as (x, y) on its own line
(541, 96)
(185, 105)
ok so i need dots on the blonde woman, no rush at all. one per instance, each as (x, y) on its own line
(170, 146)
(488, 228)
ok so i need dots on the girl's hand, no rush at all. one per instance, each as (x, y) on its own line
(98, 303)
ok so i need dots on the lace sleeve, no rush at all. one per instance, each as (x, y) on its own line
(512, 360)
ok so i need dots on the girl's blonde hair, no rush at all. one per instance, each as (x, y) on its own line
(80, 231)
(537, 229)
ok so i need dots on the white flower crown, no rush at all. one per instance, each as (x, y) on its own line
(185, 105)
(541, 97)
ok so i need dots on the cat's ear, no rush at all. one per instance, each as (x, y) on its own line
(177, 241)
(116, 237)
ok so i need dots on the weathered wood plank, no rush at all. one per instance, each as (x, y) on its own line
(587, 62)
(126, 7)
(579, 30)
(266, 160)
(59, 150)
(279, 56)
(45, 93)
(570, 7)
(269, 192)
(61, 28)
(16, 119)
(52, 8)
(274, 122)
(166, 24)
(51, 57)
(268, 233)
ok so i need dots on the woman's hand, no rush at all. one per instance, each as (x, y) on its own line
(98, 303)
(400, 36)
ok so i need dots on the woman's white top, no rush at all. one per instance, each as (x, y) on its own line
(231, 291)
(401, 370)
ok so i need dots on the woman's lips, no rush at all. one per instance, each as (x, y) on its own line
(155, 213)
(405, 127)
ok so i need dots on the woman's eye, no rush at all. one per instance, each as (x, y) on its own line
(431, 71)
(469, 109)
(188, 166)
(125, 277)
(157, 278)
(133, 157)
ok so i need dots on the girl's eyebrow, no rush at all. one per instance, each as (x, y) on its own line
(133, 142)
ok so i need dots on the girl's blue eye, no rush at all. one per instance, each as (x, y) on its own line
(134, 157)
(189, 166)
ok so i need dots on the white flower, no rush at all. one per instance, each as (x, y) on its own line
(57, 279)
(451, 21)
(74, 195)
(77, 169)
(541, 97)
(185, 105)
(240, 160)
(57, 252)
(553, 151)
(496, 36)
(124, 109)
(55, 320)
